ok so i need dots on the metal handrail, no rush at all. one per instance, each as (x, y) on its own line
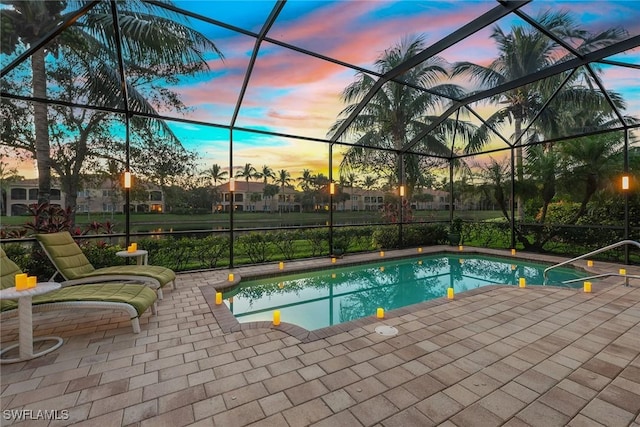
(598, 276)
(597, 251)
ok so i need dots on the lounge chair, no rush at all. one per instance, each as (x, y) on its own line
(75, 268)
(130, 298)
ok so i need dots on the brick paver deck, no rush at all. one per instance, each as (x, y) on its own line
(499, 355)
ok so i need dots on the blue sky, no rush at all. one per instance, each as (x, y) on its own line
(292, 93)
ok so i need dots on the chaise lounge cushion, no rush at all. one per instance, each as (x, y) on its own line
(71, 262)
(138, 296)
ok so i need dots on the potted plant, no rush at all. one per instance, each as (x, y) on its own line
(455, 232)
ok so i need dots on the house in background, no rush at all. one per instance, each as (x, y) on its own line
(106, 197)
(250, 197)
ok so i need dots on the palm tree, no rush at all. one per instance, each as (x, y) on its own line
(215, 174)
(8, 175)
(592, 160)
(397, 113)
(524, 51)
(348, 181)
(368, 183)
(155, 42)
(306, 180)
(284, 179)
(247, 172)
(266, 173)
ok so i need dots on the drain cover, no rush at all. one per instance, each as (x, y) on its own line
(387, 331)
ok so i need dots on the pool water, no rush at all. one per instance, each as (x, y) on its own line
(317, 299)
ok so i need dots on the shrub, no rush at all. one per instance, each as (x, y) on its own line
(176, 253)
(101, 254)
(257, 246)
(285, 242)
(385, 237)
(209, 250)
(424, 234)
(318, 240)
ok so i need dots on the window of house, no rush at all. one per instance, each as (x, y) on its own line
(19, 193)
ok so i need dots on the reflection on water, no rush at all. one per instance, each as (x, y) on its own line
(323, 298)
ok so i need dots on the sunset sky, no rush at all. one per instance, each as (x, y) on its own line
(292, 93)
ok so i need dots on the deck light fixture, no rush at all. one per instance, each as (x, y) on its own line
(625, 182)
(127, 179)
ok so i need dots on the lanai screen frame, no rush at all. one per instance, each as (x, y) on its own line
(502, 8)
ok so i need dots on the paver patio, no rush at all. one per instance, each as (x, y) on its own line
(499, 355)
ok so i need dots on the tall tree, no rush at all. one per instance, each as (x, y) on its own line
(215, 174)
(396, 114)
(8, 175)
(247, 172)
(266, 173)
(522, 52)
(155, 44)
(283, 178)
(305, 180)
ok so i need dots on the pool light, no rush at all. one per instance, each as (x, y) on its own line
(513, 251)
(218, 298)
(381, 253)
(460, 248)
(276, 318)
(449, 293)
(589, 263)
(281, 265)
(380, 313)
(522, 282)
(587, 287)
(231, 277)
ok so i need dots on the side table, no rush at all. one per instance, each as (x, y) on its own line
(141, 256)
(25, 328)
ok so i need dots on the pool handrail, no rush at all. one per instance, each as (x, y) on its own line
(597, 251)
(598, 276)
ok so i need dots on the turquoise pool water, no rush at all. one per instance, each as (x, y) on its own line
(318, 299)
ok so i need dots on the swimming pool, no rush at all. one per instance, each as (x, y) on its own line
(318, 299)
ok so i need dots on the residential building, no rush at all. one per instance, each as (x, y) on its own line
(105, 197)
(250, 197)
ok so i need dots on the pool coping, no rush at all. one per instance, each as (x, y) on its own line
(229, 323)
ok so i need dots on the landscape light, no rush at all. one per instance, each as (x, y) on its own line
(127, 179)
(625, 182)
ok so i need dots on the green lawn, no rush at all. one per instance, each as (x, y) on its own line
(147, 222)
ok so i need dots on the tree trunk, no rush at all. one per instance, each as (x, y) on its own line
(41, 125)
(519, 167)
